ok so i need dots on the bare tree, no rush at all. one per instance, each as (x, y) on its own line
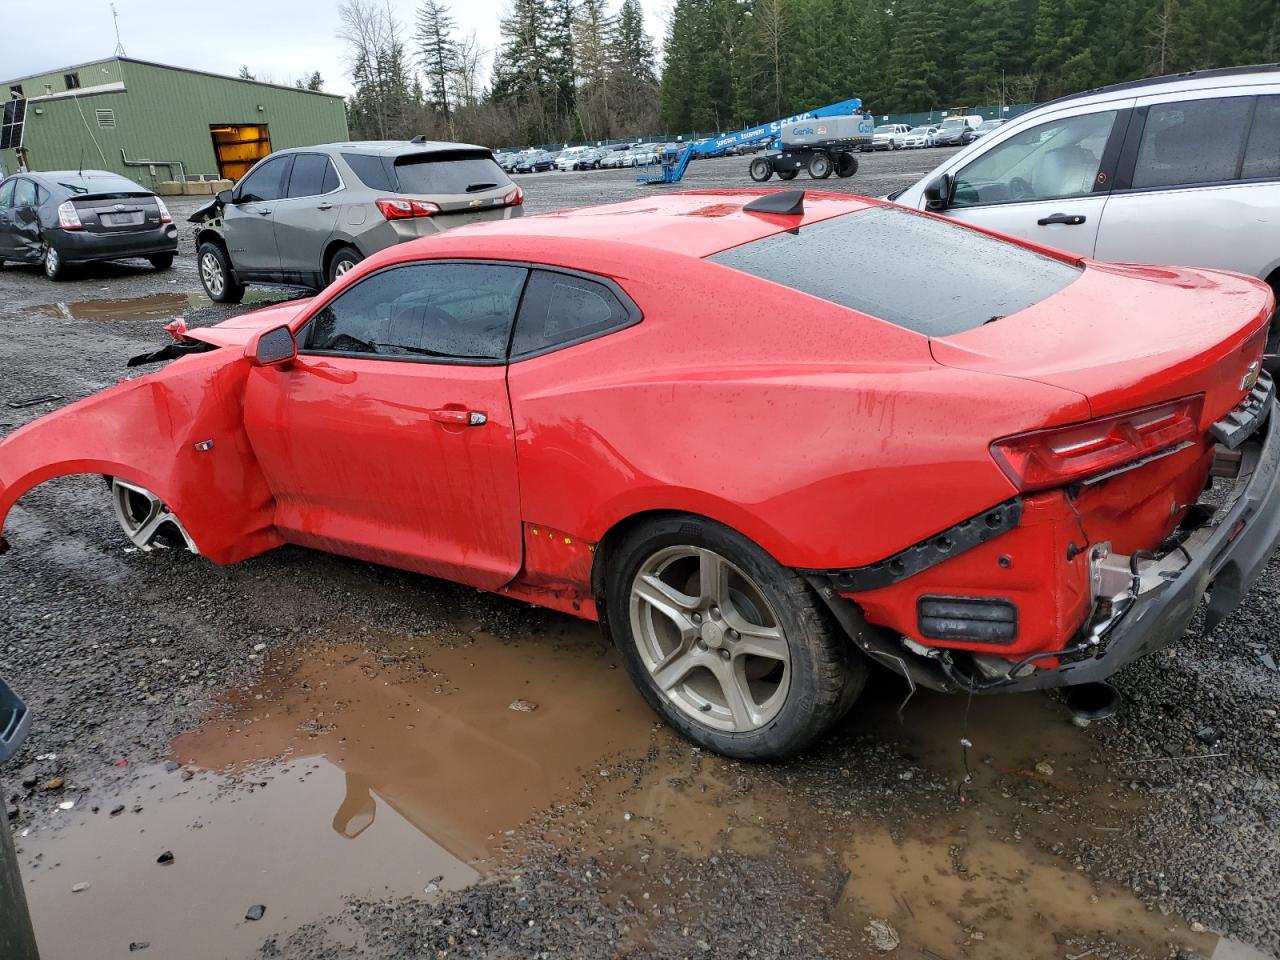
(1159, 32)
(769, 19)
(375, 57)
(466, 71)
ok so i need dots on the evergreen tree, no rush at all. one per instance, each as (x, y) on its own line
(437, 52)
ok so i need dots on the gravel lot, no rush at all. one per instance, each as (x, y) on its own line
(231, 713)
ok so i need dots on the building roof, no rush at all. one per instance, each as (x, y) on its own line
(166, 66)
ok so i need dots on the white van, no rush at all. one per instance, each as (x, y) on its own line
(1181, 170)
(570, 156)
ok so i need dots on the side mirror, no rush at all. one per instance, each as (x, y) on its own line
(226, 197)
(275, 348)
(937, 193)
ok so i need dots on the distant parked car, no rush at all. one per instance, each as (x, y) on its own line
(883, 136)
(591, 159)
(1174, 170)
(535, 161)
(921, 136)
(570, 158)
(986, 127)
(305, 216)
(958, 131)
(68, 216)
(507, 161)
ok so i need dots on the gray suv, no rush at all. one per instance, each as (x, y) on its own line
(306, 215)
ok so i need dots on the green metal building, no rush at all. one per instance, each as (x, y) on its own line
(151, 122)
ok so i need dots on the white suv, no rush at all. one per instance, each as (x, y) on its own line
(1181, 170)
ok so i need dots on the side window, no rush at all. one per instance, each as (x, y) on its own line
(1049, 161)
(6, 193)
(24, 194)
(1191, 141)
(371, 171)
(1262, 155)
(559, 308)
(266, 182)
(308, 176)
(460, 311)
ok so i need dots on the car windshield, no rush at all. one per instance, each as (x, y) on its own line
(990, 124)
(451, 171)
(951, 124)
(885, 128)
(919, 129)
(904, 259)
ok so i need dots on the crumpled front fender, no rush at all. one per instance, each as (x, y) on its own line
(146, 431)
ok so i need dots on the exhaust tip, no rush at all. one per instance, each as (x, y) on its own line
(1091, 701)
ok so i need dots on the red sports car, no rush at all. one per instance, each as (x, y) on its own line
(763, 438)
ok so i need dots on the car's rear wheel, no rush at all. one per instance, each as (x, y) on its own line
(787, 174)
(145, 519)
(731, 648)
(161, 261)
(846, 165)
(54, 266)
(342, 260)
(820, 166)
(215, 274)
(760, 170)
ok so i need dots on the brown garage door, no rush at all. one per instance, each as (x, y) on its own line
(238, 147)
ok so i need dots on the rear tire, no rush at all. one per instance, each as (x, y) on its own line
(161, 261)
(820, 166)
(787, 174)
(342, 260)
(760, 170)
(846, 165)
(215, 274)
(54, 266)
(689, 602)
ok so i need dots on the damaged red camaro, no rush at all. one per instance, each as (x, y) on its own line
(763, 439)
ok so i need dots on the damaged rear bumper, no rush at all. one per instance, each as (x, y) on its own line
(1221, 558)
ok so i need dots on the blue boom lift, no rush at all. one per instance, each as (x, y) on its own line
(821, 147)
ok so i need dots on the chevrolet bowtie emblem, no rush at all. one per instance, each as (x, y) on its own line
(476, 203)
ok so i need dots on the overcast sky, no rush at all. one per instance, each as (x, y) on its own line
(279, 40)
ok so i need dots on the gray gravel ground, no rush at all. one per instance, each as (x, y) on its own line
(117, 652)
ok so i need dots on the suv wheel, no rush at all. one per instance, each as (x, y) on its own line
(215, 274)
(343, 259)
(162, 261)
(732, 649)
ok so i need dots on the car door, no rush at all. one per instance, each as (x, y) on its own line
(1047, 182)
(390, 436)
(6, 216)
(25, 236)
(248, 223)
(1199, 183)
(305, 217)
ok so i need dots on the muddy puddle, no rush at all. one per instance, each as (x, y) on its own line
(156, 307)
(418, 765)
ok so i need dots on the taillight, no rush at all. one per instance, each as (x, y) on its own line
(68, 219)
(164, 211)
(1062, 455)
(404, 209)
(514, 197)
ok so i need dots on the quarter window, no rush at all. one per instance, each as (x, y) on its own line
(560, 308)
(451, 311)
(266, 182)
(6, 193)
(312, 175)
(1050, 161)
(1191, 141)
(1262, 155)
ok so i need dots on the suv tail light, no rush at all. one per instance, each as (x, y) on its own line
(514, 197)
(68, 219)
(164, 211)
(401, 208)
(1062, 455)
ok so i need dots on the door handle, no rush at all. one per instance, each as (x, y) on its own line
(325, 206)
(1071, 219)
(459, 418)
(263, 213)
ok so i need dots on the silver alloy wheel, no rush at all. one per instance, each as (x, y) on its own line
(342, 266)
(711, 641)
(144, 518)
(51, 261)
(211, 274)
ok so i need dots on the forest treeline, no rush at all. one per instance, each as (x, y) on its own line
(568, 70)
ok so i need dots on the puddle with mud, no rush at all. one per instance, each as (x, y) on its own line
(397, 766)
(158, 306)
